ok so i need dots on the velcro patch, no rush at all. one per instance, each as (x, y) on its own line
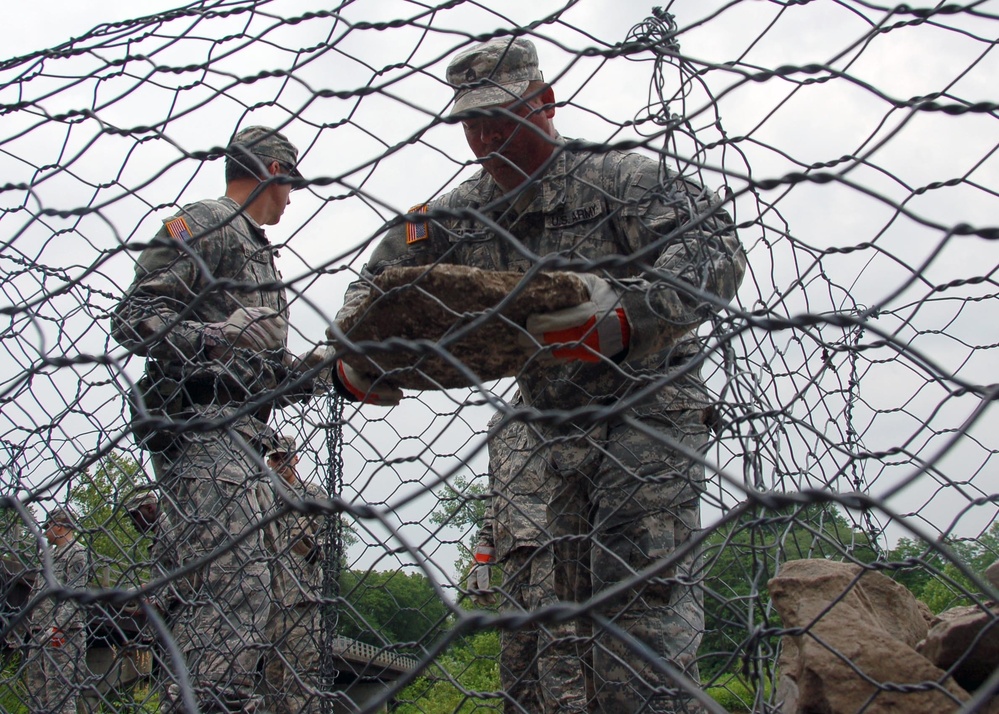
(415, 232)
(178, 228)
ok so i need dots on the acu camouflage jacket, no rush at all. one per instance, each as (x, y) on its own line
(218, 261)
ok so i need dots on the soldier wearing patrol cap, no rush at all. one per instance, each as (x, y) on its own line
(208, 312)
(291, 668)
(143, 510)
(282, 451)
(614, 472)
(56, 653)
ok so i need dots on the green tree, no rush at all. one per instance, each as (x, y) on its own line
(937, 580)
(391, 607)
(464, 680)
(117, 551)
(16, 539)
(463, 505)
(912, 564)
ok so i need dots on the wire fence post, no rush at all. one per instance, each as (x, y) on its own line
(333, 548)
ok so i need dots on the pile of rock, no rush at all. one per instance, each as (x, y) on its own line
(860, 642)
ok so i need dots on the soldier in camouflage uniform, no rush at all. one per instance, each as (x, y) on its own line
(208, 311)
(56, 655)
(659, 257)
(291, 668)
(143, 510)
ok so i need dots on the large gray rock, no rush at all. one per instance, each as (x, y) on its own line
(992, 575)
(456, 309)
(895, 608)
(967, 640)
(857, 645)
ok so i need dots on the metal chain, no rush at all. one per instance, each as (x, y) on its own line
(333, 548)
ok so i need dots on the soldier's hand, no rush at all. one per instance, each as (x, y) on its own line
(588, 332)
(357, 387)
(57, 637)
(310, 359)
(252, 328)
(479, 582)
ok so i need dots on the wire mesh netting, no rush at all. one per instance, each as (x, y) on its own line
(357, 437)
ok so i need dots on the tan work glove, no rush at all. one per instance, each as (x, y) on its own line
(588, 332)
(479, 582)
(252, 328)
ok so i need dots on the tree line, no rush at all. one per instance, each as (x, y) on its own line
(402, 611)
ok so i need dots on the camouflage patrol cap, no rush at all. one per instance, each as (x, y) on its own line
(492, 73)
(142, 498)
(268, 145)
(282, 445)
(61, 516)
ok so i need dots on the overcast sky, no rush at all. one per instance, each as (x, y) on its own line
(902, 180)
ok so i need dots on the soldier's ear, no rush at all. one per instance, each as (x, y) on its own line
(548, 101)
(542, 100)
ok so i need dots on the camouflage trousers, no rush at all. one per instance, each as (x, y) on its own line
(212, 495)
(621, 498)
(539, 663)
(54, 675)
(291, 668)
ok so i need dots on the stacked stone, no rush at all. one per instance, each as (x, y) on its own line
(866, 644)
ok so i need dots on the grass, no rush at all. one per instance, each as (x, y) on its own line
(734, 693)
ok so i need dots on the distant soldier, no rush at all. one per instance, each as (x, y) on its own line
(144, 511)
(294, 626)
(56, 666)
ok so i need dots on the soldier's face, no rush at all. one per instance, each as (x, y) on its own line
(512, 148)
(284, 464)
(144, 517)
(278, 197)
(55, 533)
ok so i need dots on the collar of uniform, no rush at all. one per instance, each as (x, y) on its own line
(238, 209)
(547, 193)
(60, 548)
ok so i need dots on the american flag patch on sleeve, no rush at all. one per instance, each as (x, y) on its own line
(178, 228)
(415, 232)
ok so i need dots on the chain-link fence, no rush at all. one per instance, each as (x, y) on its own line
(587, 494)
